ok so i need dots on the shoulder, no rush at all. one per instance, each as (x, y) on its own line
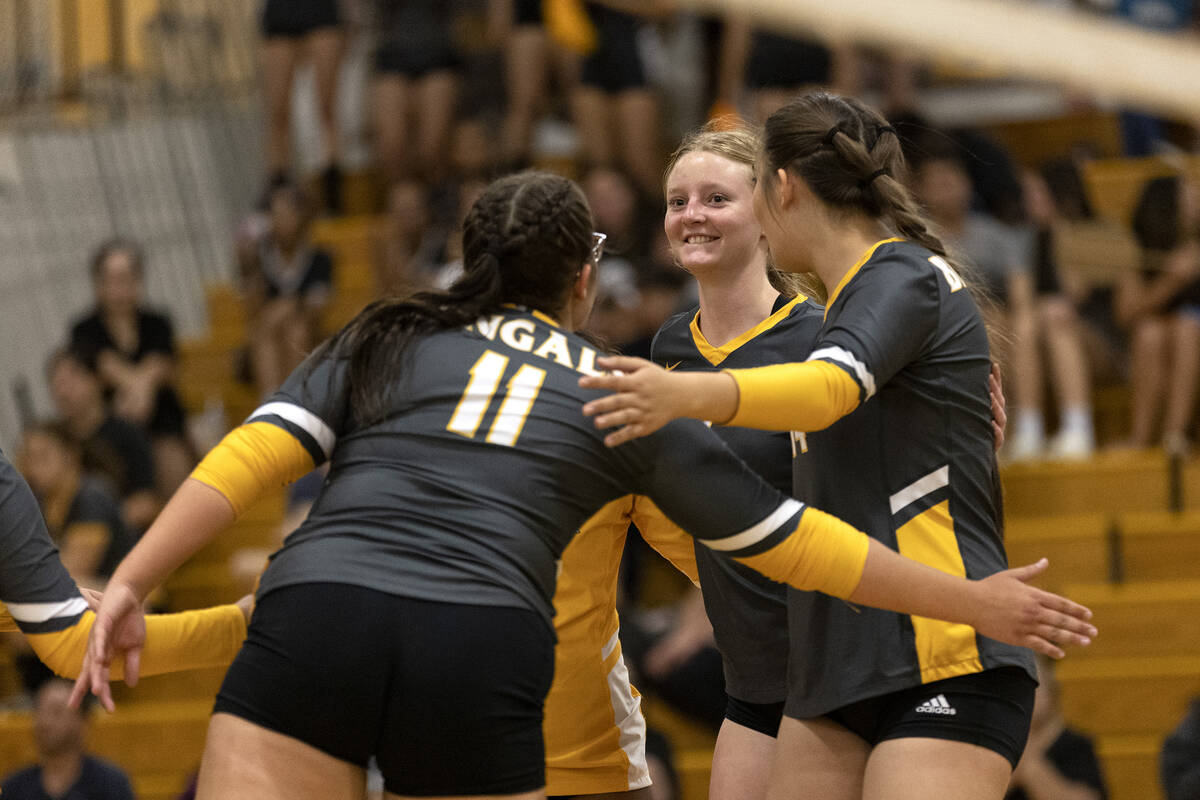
(20, 782)
(672, 334)
(112, 777)
(86, 323)
(895, 265)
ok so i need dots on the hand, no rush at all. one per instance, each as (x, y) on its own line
(999, 406)
(646, 398)
(119, 628)
(1019, 614)
(1183, 265)
(135, 401)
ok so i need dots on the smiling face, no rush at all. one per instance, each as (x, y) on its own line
(709, 221)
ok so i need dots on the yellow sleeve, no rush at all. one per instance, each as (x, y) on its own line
(801, 396)
(250, 460)
(823, 554)
(209, 637)
(672, 542)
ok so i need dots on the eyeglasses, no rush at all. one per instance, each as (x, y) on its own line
(597, 252)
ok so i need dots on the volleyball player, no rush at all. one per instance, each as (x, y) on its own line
(39, 598)
(894, 396)
(409, 616)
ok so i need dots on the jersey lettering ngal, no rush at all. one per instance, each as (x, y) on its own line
(912, 466)
(484, 467)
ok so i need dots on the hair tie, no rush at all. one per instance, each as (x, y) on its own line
(879, 132)
(832, 132)
(867, 181)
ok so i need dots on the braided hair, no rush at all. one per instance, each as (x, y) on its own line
(524, 242)
(849, 157)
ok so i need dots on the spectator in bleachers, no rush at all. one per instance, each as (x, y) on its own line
(408, 245)
(531, 58)
(82, 513)
(112, 447)
(615, 109)
(994, 256)
(132, 348)
(1059, 763)
(1160, 305)
(1180, 760)
(416, 85)
(295, 30)
(287, 283)
(771, 68)
(64, 770)
(621, 213)
(1058, 327)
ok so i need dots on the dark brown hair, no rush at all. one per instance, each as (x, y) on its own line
(524, 242)
(849, 157)
(118, 244)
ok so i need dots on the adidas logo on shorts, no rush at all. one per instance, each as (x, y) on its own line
(937, 705)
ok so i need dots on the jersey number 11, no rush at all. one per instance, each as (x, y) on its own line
(520, 392)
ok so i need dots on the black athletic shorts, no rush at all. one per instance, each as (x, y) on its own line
(616, 65)
(761, 717)
(992, 709)
(447, 697)
(527, 12)
(415, 59)
(782, 62)
(295, 19)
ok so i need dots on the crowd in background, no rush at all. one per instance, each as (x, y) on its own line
(461, 92)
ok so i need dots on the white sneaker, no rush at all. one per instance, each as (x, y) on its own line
(1072, 446)
(1025, 446)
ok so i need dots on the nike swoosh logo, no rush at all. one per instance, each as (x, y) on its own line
(673, 366)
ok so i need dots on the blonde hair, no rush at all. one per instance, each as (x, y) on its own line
(740, 145)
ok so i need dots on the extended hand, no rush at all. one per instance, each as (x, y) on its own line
(119, 628)
(1023, 615)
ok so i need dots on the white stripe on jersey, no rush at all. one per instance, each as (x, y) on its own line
(313, 425)
(757, 533)
(919, 488)
(44, 612)
(843, 356)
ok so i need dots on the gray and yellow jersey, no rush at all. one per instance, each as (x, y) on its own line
(912, 466)
(748, 611)
(35, 587)
(476, 479)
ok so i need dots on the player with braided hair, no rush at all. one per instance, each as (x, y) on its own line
(409, 616)
(894, 400)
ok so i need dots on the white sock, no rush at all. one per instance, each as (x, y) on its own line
(1077, 419)
(1029, 424)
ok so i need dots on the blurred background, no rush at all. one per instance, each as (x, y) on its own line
(194, 193)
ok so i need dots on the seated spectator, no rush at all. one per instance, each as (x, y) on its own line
(408, 245)
(1059, 763)
(112, 447)
(287, 284)
(132, 348)
(82, 514)
(1160, 305)
(627, 221)
(64, 769)
(1180, 760)
(994, 256)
